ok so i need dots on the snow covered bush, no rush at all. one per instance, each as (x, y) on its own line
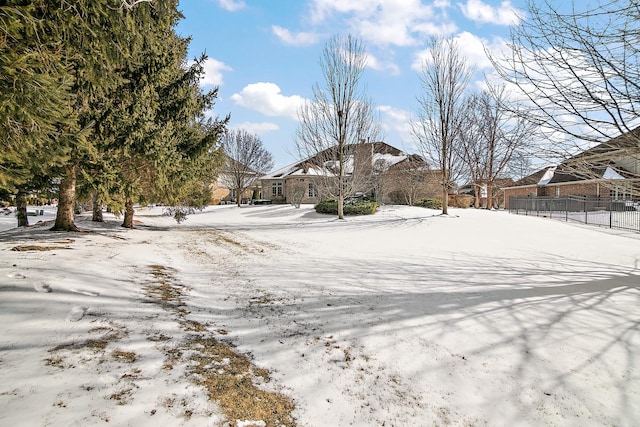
(355, 206)
(429, 203)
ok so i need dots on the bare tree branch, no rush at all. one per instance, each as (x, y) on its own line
(579, 74)
(491, 139)
(445, 77)
(337, 121)
(246, 161)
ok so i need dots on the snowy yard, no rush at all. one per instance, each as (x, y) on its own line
(404, 318)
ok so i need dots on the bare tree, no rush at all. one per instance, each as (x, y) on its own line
(490, 139)
(296, 192)
(520, 165)
(445, 77)
(579, 72)
(409, 181)
(246, 160)
(381, 178)
(336, 123)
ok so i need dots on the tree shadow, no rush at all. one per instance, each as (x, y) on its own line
(546, 327)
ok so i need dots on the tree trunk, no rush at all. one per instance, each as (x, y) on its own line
(21, 209)
(238, 197)
(66, 202)
(340, 205)
(489, 195)
(97, 210)
(128, 214)
(476, 193)
(445, 202)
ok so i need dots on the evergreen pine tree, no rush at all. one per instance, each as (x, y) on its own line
(35, 102)
(153, 130)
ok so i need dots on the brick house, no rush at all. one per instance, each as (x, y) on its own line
(298, 181)
(407, 181)
(608, 170)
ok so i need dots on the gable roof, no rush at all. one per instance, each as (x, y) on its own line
(559, 174)
(616, 159)
(381, 152)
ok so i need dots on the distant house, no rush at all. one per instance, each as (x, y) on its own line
(608, 170)
(299, 181)
(222, 190)
(479, 192)
(408, 180)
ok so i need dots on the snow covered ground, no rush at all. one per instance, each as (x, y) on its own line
(404, 318)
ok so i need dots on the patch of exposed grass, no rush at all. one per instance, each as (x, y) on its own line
(233, 242)
(263, 300)
(159, 337)
(56, 361)
(32, 248)
(95, 344)
(192, 326)
(134, 374)
(122, 396)
(164, 291)
(229, 377)
(124, 356)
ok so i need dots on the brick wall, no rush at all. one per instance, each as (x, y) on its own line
(589, 189)
(518, 192)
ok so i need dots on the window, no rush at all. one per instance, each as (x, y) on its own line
(276, 189)
(620, 193)
(312, 190)
(232, 193)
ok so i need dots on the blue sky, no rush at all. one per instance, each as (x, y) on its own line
(264, 55)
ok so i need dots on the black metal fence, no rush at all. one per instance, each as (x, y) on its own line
(603, 212)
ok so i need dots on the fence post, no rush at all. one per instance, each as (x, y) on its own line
(586, 214)
(610, 213)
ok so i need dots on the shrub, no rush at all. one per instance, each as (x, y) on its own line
(327, 206)
(360, 208)
(352, 207)
(429, 203)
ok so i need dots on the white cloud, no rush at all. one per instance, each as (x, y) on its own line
(386, 22)
(471, 47)
(444, 27)
(232, 5)
(296, 39)
(505, 14)
(323, 9)
(267, 99)
(376, 64)
(256, 128)
(213, 70)
(396, 120)
(419, 59)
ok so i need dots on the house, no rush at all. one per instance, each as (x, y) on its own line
(479, 192)
(406, 181)
(224, 189)
(608, 170)
(382, 163)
